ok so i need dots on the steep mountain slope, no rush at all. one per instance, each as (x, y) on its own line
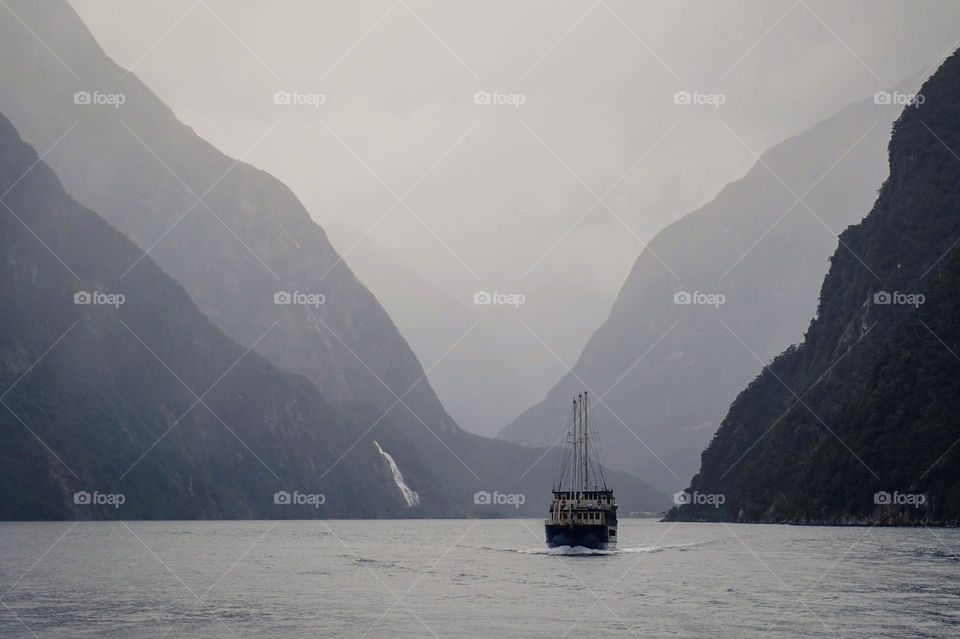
(667, 372)
(249, 239)
(83, 398)
(872, 437)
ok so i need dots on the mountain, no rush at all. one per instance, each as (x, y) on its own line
(667, 371)
(89, 388)
(477, 400)
(246, 239)
(238, 241)
(858, 423)
(120, 386)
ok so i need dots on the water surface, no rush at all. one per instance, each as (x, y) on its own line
(474, 578)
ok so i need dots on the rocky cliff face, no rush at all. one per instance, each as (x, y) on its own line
(858, 423)
(672, 369)
(120, 386)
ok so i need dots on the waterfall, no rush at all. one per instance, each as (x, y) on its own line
(410, 496)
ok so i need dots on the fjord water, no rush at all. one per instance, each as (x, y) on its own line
(479, 578)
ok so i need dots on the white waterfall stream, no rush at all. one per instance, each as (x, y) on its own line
(410, 495)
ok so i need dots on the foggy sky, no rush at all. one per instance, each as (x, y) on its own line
(498, 208)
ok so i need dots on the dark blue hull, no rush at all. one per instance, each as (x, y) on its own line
(593, 536)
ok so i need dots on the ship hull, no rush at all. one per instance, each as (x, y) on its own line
(592, 536)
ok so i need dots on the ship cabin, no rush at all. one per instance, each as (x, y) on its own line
(589, 507)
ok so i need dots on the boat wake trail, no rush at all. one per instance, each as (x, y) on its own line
(581, 551)
(568, 551)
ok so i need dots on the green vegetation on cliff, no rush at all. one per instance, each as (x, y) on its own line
(859, 423)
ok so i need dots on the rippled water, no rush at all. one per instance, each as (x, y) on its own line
(488, 578)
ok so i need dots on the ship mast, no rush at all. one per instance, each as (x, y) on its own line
(575, 436)
(581, 470)
(586, 450)
(579, 440)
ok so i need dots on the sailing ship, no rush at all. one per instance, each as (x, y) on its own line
(584, 511)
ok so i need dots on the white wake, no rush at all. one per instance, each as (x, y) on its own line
(567, 550)
(409, 495)
(580, 550)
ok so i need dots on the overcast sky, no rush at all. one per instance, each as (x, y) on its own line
(505, 196)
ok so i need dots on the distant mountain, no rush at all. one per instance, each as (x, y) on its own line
(240, 251)
(478, 381)
(667, 371)
(121, 387)
(858, 424)
(83, 398)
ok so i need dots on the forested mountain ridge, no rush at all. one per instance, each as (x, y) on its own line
(858, 424)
